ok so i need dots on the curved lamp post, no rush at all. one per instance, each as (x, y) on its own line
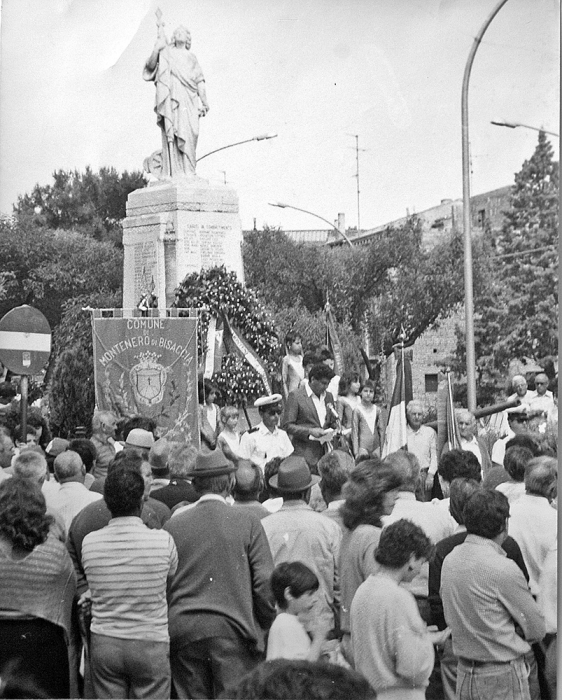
(514, 125)
(282, 205)
(468, 289)
(261, 137)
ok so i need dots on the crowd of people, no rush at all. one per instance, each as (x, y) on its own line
(290, 561)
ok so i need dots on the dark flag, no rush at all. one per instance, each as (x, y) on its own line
(334, 344)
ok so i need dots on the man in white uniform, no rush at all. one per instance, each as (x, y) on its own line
(266, 441)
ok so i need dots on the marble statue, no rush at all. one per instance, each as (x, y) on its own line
(181, 100)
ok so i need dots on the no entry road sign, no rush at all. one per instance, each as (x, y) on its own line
(25, 340)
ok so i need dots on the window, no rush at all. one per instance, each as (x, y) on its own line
(431, 383)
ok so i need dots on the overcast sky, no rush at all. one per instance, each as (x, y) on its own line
(314, 71)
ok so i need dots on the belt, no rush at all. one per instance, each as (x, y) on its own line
(476, 664)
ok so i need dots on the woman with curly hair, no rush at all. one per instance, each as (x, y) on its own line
(37, 587)
(370, 492)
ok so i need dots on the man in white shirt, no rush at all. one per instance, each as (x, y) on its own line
(533, 521)
(543, 400)
(310, 415)
(435, 522)
(422, 442)
(468, 439)
(72, 496)
(266, 441)
(519, 386)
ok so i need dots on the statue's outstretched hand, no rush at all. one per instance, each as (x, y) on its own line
(160, 44)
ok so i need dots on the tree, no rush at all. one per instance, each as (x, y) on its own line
(281, 271)
(92, 203)
(46, 268)
(424, 291)
(286, 273)
(312, 329)
(70, 374)
(391, 284)
(517, 313)
(217, 291)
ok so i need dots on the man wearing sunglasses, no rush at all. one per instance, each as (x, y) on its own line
(266, 441)
(542, 399)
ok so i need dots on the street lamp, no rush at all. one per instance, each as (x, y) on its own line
(468, 291)
(282, 205)
(514, 125)
(261, 137)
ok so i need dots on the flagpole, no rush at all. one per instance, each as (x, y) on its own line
(248, 421)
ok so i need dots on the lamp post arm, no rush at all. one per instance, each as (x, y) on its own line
(468, 288)
(238, 143)
(230, 145)
(305, 211)
(514, 125)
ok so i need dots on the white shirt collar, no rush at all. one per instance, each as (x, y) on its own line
(334, 505)
(212, 497)
(310, 393)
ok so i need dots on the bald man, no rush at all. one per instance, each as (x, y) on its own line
(542, 399)
(72, 495)
(249, 485)
(519, 387)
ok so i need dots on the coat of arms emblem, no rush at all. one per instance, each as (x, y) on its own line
(148, 379)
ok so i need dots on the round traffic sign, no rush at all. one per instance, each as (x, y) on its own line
(25, 340)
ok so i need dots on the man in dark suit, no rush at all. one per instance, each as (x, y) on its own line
(220, 599)
(310, 415)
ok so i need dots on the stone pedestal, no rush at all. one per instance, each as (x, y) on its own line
(174, 228)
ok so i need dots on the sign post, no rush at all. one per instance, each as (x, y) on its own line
(25, 347)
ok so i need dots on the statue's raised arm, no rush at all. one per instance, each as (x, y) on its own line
(180, 99)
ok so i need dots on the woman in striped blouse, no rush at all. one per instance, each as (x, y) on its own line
(37, 587)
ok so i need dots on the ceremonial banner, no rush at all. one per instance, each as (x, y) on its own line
(235, 343)
(395, 437)
(148, 366)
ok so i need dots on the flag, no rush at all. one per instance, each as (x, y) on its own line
(453, 435)
(334, 344)
(447, 428)
(214, 352)
(235, 343)
(395, 437)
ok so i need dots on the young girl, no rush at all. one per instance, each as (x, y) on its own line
(229, 438)
(209, 413)
(292, 369)
(295, 588)
(366, 433)
(348, 398)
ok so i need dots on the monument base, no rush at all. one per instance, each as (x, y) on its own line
(176, 227)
